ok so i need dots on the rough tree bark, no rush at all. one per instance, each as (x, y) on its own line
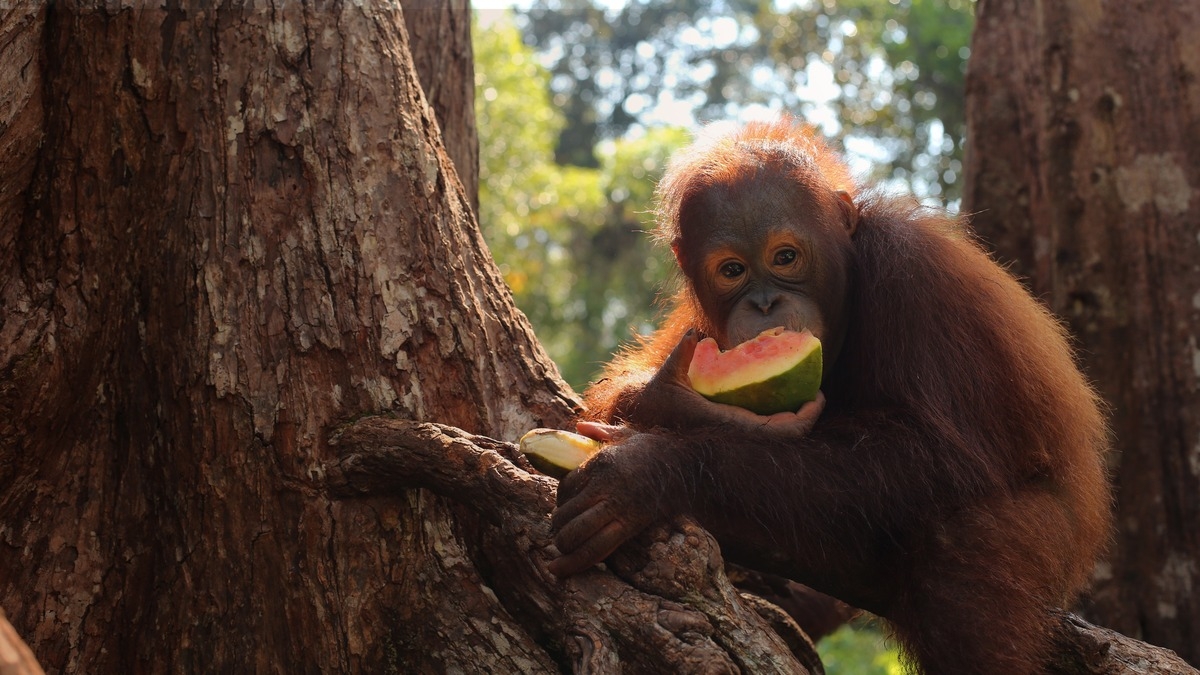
(1082, 169)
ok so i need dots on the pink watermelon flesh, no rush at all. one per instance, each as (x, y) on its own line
(778, 371)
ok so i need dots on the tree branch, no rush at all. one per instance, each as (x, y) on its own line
(663, 602)
(1085, 649)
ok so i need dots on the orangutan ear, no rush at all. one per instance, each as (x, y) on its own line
(850, 211)
(677, 249)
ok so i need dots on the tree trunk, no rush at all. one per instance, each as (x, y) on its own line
(1085, 120)
(239, 231)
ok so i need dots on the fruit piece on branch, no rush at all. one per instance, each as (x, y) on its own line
(555, 452)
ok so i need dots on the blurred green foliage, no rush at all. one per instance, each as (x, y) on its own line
(886, 76)
(571, 241)
(859, 648)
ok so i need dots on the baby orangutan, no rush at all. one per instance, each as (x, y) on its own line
(951, 479)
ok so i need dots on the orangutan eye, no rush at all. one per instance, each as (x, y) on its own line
(785, 256)
(732, 270)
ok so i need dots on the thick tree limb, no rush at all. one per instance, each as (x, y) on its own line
(662, 604)
(1085, 649)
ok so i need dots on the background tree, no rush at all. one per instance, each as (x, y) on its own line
(1084, 121)
(440, 44)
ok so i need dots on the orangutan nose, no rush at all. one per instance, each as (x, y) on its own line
(765, 300)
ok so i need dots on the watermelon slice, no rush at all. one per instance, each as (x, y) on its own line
(555, 452)
(778, 371)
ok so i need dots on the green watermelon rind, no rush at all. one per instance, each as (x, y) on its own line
(786, 391)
